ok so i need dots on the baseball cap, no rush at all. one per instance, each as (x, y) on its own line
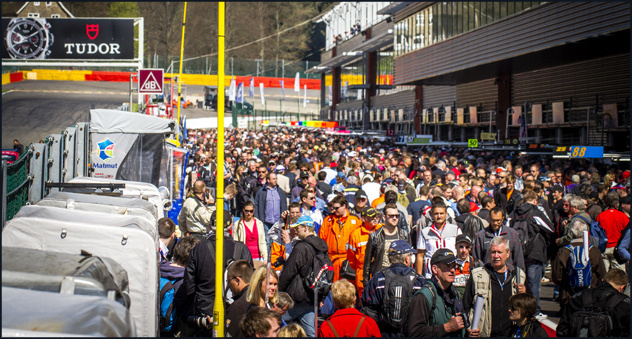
(626, 174)
(341, 174)
(304, 175)
(401, 183)
(473, 207)
(463, 238)
(304, 220)
(352, 154)
(383, 187)
(280, 168)
(369, 212)
(443, 255)
(400, 247)
(360, 194)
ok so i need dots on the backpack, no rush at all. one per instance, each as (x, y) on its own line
(522, 227)
(594, 321)
(598, 232)
(355, 335)
(167, 314)
(620, 259)
(403, 199)
(578, 269)
(398, 291)
(319, 275)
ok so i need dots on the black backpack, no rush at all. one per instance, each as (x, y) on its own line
(318, 275)
(398, 292)
(594, 321)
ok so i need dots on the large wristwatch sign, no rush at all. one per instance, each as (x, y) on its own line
(59, 39)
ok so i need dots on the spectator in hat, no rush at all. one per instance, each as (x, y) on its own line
(339, 184)
(360, 201)
(436, 310)
(402, 197)
(301, 184)
(356, 250)
(291, 281)
(374, 295)
(465, 262)
(336, 230)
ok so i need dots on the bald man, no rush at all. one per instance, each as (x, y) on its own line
(195, 216)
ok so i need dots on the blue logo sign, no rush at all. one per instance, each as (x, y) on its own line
(106, 149)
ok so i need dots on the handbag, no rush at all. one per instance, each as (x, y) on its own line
(347, 272)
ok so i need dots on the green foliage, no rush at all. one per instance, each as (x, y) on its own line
(124, 10)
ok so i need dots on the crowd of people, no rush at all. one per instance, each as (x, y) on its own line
(376, 239)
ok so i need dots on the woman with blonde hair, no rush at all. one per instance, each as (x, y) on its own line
(347, 321)
(256, 294)
(292, 331)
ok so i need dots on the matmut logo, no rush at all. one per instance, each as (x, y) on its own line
(92, 31)
(106, 149)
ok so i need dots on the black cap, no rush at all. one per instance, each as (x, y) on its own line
(463, 238)
(443, 255)
(304, 175)
(369, 212)
(227, 219)
(360, 194)
(401, 183)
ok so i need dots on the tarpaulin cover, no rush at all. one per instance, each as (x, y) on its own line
(98, 218)
(114, 121)
(133, 189)
(101, 203)
(135, 249)
(37, 311)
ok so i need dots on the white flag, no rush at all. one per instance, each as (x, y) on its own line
(263, 100)
(305, 96)
(232, 91)
(297, 84)
(282, 90)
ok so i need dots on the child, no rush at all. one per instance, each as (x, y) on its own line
(522, 310)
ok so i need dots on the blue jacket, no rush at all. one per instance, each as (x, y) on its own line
(260, 202)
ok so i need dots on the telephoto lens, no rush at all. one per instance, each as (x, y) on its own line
(197, 321)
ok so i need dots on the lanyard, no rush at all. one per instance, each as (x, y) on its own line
(503, 283)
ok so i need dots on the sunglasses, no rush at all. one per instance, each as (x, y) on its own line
(393, 215)
(249, 211)
(262, 171)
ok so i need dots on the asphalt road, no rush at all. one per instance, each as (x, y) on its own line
(33, 110)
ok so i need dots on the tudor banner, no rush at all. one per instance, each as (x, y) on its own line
(67, 39)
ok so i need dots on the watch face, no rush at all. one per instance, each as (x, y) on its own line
(26, 39)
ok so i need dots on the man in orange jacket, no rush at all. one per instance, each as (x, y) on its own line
(336, 230)
(357, 244)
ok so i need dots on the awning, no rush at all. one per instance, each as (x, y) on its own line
(336, 61)
(377, 42)
(394, 7)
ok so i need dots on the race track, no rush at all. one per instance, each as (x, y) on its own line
(33, 110)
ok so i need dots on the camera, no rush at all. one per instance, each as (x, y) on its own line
(198, 321)
(279, 262)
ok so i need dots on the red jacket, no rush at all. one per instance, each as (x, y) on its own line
(346, 322)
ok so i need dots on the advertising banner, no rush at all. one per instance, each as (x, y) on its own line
(67, 39)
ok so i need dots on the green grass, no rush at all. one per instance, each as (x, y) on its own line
(5, 90)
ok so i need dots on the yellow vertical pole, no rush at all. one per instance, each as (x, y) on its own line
(184, 17)
(218, 309)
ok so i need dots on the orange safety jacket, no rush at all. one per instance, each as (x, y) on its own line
(336, 232)
(377, 201)
(276, 250)
(355, 252)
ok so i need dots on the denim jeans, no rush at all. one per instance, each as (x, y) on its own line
(304, 315)
(535, 272)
